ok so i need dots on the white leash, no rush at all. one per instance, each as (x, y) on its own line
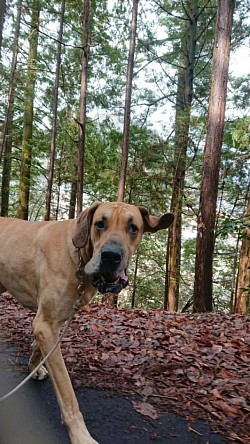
(41, 363)
(76, 307)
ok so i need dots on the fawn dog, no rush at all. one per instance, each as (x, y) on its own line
(38, 264)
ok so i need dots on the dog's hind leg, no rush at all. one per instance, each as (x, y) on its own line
(35, 358)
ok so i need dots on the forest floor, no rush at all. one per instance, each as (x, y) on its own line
(153, 365)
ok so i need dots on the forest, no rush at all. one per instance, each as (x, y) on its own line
(136, 101)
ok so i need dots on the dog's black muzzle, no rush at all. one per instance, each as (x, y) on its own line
(111, 257)
(111, 278)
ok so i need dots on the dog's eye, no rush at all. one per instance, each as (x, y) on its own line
(133, 229)
(100, 225)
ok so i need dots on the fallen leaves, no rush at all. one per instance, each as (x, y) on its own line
(196, 365)
(145, 409)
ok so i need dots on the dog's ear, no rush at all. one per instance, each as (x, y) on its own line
(83, 225)
(152, 224)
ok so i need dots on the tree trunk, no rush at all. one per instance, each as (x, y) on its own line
(211, 163)
(243, 278)
(182, 122)
(72, 201)
(25, 174)
(127, 112)
(59, 183)
(2, 14)
(83, 102)
(234, 279)
(9, 110)
(6, 142)
(54, 120)
(7, 161)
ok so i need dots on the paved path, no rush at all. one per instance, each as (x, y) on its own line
(31, 416)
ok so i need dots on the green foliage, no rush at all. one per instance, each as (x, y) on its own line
(230, 225)
(151, 153)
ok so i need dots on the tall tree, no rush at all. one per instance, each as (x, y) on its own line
(83, 102)
(2, 13)
(203, 287)
(73, 196)
(128, 95)
(184, 98)
(242, 297)
(25, 175)
(54, 120)
(12, 80)
(6, 142)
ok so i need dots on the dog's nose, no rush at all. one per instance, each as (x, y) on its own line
(111, 255)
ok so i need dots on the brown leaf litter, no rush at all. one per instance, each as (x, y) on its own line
(197, 365)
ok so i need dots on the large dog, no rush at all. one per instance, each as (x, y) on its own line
(38, 264)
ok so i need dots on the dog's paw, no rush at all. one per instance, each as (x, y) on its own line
(42, 373)
(89, 440)
(82, 439)
(93, 441)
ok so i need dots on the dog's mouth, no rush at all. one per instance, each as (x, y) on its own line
(107, 283)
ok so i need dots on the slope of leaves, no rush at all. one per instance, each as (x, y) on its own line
(196, 365)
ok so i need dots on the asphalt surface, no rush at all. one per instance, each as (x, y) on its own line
(31, 416)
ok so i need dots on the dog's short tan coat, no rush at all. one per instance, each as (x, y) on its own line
(38, 263)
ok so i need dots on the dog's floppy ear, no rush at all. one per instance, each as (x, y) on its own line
(152, 224)
(83, 225)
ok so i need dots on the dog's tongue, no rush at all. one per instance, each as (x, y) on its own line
(123, 276)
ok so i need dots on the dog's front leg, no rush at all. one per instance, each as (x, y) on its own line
(46, 335)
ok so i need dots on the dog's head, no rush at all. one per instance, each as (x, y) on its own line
(109, 233)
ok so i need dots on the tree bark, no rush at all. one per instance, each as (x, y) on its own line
(182, 122)
(25, 174)
(6, 142)
(59, 183)
(243, 278)
(6, 175)
(83, 103)
(54, 120)
(127, 112)
(11, 91)
(203, 288)
(2, 14)
(234, 273)
(72, 201)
